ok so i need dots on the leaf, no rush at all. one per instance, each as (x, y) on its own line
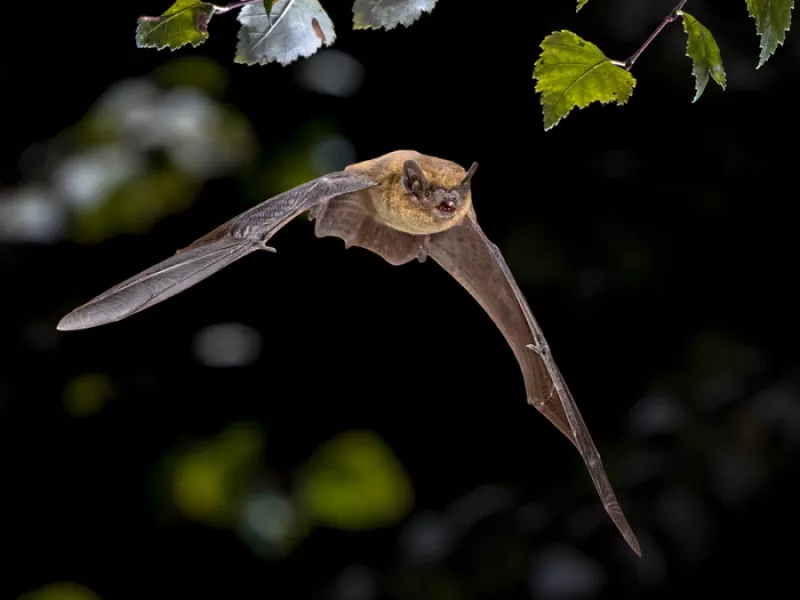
(573, 72)
(773, 19)
(702, 48)
(374, 14)
(208, 479)
(355, 482)
(581, 4)
(63, 590)
(293, 28)
(185, 22)
(86, 394)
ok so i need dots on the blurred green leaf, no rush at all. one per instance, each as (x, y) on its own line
(209, 479)
(573, 72)
(702, 48)
(86, 394)
(773, 19)
(65, 590)
(193, 71)
(185, 22)
(355, 482)
(581, 4)
(388, 14)
(135, 206)
(293, 28)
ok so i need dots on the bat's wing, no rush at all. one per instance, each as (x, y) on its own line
(477, 264)
(347, 217)
(229, 242)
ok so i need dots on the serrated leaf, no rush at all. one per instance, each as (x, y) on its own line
(702, 48)
(773, 19)
(185, 22)
(581, 4)
(388, 14)
(292, 29)
(573, 72)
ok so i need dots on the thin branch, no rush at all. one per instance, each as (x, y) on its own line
(232, 6)
(217, 9)
(672, 16)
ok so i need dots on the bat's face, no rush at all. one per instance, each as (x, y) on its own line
(440, 202)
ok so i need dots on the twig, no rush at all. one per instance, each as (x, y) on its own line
(232, 6)
(672, 16)
(217, 9)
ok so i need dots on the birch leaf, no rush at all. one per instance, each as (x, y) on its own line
(292, 29)
(773, 19)
(573, 72)
(388, 14)
(185, 22)
(702, 48)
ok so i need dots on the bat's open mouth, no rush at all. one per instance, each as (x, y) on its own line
(447, 207)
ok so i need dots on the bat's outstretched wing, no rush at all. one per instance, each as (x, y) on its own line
(229, 242)
(477, 264)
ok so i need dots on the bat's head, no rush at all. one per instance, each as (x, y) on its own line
(442, 201)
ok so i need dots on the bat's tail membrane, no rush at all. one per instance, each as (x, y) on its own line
(159, 282)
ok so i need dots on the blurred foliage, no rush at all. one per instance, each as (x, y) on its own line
(355, 482)
(142, 152)
(61, 591)
(208, 478)
(85, 395)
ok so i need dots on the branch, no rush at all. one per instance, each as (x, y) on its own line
(233, 5)
(217, 9)
(672, 16)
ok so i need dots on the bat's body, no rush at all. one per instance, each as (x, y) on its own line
(403, 206)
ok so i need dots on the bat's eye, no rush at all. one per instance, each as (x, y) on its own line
(427, 193)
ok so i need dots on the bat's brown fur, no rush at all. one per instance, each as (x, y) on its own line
(393, 206)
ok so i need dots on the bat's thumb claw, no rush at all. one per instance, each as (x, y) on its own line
(263, 246)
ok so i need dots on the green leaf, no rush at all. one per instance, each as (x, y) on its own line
(63, 590)
(86, 394)
(773, 19)
(702, 48)
(573, 72)
(355, 482)
(581, 4)
(208, 479)
(185, 22)
(293, 28)
(388, 14)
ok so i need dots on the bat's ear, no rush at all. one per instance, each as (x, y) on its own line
(468, 177)
(414, 179)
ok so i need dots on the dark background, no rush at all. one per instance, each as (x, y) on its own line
(655, 243)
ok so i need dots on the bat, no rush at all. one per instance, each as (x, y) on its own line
(402, 206)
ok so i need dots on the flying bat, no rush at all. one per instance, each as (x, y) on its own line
(402, 206)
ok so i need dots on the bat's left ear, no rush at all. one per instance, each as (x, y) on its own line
(414, 179)
(470, 173)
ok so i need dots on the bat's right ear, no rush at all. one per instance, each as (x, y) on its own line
(414, 179)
